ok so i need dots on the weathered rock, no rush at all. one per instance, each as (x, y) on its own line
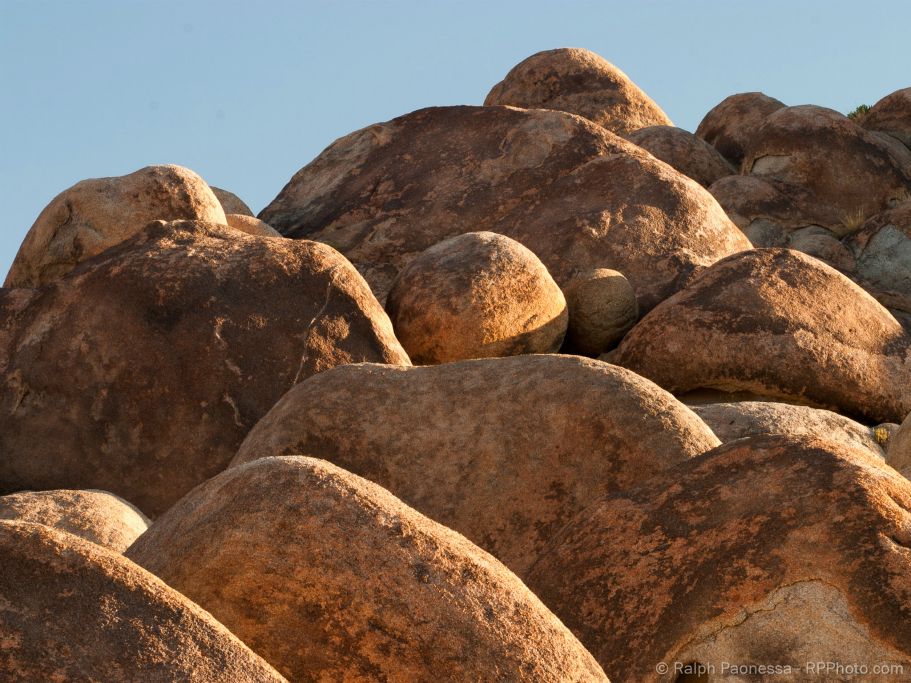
(783, 326)
(96, 214)
(174, 344)
(891, 115)
(837, 161)
(825, 246)
(898, 449)
(502, 450)
(579, 82)
(731, 124)
(359, 587)
(231, 203)
(96, 516)
(742, 419)
(602, 308)
(71, 610)
(769, 550)
(477, 295)
(882, 248)
(576, 195)
(690, 155)
(251, 225)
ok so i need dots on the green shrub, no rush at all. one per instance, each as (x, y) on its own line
(859, 112)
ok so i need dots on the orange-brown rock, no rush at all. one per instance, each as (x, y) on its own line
(898, 450)
(71, 610)
(781, 325)
(769, 550)
(141, 371)
(579, 82)
(330, 577)
(251, 225)
(576, 195)
(602, 308)
(838, 162)
(96, 214)
(731, 124)
(477, 295)
(503, 450)
(96, 516)
(891, 115)
(692, 156)
(231, 203)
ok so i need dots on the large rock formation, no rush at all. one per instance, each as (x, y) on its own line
(476, 295)
(503, 450)
(97, 516)
(573, 193)
(730, 125)
(771, 550)
(330, 577)
(692, 156)
(779, 324)
(580, 82)
(141, 371)
(891, 115)
(71, 610)
(98, 213)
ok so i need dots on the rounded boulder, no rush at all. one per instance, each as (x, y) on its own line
(730, 125)
(602, 308)
(692, 156)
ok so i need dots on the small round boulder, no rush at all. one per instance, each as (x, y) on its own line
(476, 295)
(602, 308)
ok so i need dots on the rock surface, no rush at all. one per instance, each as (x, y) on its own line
(770, 550)
(96, 516)
(477, 295)
(175, 343)
(730, 125)
(742, 419)
(891, 115)
(579, 82)
(882, 248)
(502, 450)
(576, 195)
(898, 451)
(602, 308)
(360, 586)
(783, 326)
(692, 156)
(230, 202)
(71, 610)
(96, 214)
(251, 225)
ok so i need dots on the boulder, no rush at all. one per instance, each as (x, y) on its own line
(174, 343)
(96, 516)
(503, 450)
(476, 295)
(576, 195)
(230, 202)
(781, 325)
(251, 225)
(825, 246)
(742, 419)
(71, 610)
(891, 115)
(730, 125)
(690, 155)
(838, 162)
(898, 450)
(882, 248)
(602, 308)
(329, 577)
(579, 82)
(96, 214)
(768, 551)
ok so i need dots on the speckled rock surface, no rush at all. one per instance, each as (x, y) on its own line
(882, 248)
(71, 610)
(251, 225)
(898, 450)
(692, 156)
(502, 450)
(783, 326)
(602, 308)
(730, 125)
(360, 586)
(769, 550)
(96, 516)
(477, 295)
(579, 82)
(231, 203)
(891, 115)
(175, 343)
(98, 213)
(576, 195)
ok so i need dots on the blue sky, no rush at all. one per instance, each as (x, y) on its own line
(245, 93)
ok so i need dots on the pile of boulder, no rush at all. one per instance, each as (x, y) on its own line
(546, 389)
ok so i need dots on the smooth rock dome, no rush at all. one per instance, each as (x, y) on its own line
(730, 125)
(685, 152)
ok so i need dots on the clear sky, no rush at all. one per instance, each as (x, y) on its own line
(246, 93)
